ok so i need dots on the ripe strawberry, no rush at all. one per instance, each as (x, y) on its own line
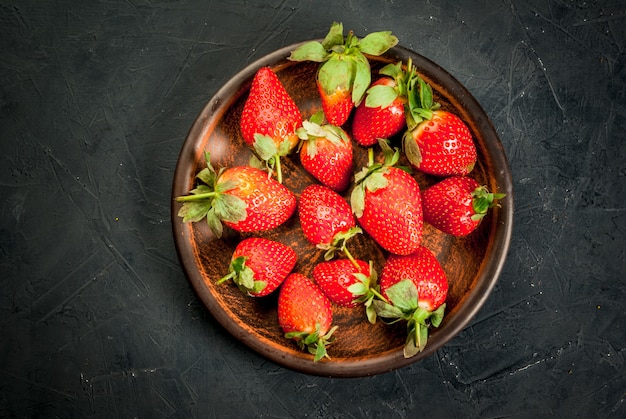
(382, 114)
(457, 205)
(416, 287)
(269, 120)
(348, 283)
(241, 197)
(326, 219)
(387, 204)
(258, 265)
(344, 74)
(305, 314)
(437, 142)
(326, 152)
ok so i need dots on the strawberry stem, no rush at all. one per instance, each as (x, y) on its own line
(370, 156)
(279, 172)
(196, 197)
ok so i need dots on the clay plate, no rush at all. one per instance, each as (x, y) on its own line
(472, 264)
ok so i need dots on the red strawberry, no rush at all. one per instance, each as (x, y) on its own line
(269, 119)
(305, 314)
(326, 153)
(258, 265)
(416, 287)
(441, 145)
(348, 283)
(326, 219)
(345, 73)
(437, 142)
(241, 197)
(336, 104)
(456, 205)
(387, 204)
(382, 114)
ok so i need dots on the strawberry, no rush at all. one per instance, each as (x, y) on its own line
(416, 288)
(326, 152)
(305, 315)
(387, 204)
(241, 197)
(348, 283)
(269, 120)
(437, 142)
(258, 265)
(382, 114)
(326, 219)
(456, 205)
(344, 73)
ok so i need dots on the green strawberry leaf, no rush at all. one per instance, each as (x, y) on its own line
(377, 43)
(317, 117)
(230, 208)
(392, 70)
(389, 312)
(336, 73)
(265, 146)
(437, 316)
(411, 149)
(357, 200)
(380, 96)
(334, 36)
(403, 295)
(362, 78)
(310, 51)
(215, 224)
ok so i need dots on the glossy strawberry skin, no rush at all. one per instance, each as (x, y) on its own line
(323, 213)
(269, 110)
(336, 105)
(269, 260)
(447, 205)
(393, 215)
(370, 124)
(302, 306)
(424, 270)
(334, 277)
(268, 203)
(331, 163)
(445, 144)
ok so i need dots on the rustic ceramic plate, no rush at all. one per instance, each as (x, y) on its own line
(472, 264)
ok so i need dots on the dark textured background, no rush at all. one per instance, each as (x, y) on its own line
(97, 318)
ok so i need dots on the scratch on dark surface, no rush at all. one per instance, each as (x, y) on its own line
(53, 159)
(536, 56)
(127, 266)
(191, 50)
(86, 284)
(61, 282)
(602, 18)
(275, 28)
(65, 394)
(134, 163)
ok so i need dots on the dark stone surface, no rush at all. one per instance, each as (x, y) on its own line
(97, 317)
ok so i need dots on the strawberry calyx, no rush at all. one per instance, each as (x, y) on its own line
(404, 305)
(372, 177)
(313, 342)
(314, 128)
(344, 62)
(483, 200)
(366, 290)
(338, 243)
(210, 200)
(269, 153)
(243, 277)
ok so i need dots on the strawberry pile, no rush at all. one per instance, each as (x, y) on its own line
(391, 118)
